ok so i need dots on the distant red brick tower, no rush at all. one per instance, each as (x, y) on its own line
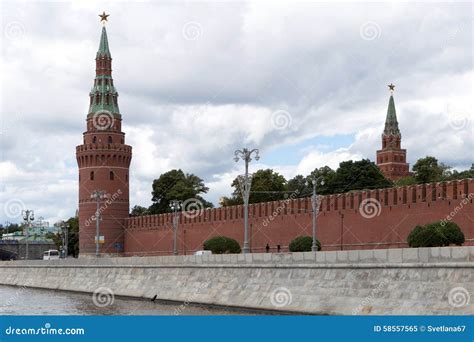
(391, 159)
(104, 162)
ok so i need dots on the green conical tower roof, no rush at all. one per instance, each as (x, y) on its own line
(104, 45)
(103, 95)
(391, 123)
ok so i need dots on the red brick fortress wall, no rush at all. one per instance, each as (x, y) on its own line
(358, 220)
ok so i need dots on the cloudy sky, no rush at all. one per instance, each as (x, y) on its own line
(305, 82)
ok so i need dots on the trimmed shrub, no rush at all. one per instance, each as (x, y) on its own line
(303, 244)
(436, 234)
(453, 233)
(222, 245)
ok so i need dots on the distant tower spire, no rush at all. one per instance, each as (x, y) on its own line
(391, 159)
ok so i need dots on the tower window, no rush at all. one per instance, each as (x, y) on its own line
(126, 178)
(94, 139)
(110, 139)
(111, 175)
(92, 175)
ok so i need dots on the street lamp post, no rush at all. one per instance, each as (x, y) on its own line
(175, 206)
(246, 155)
(97, 195)
(65, 239)
(28, 216)
(315, 209)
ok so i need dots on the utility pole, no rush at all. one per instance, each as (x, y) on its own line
(175, 206)
(245, 184)
(315, 209)
(65, 239)
(28, 216)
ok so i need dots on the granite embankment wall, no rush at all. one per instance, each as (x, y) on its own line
(373, 219)
(394, 281)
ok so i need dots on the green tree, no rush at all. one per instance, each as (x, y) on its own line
(56, 238)
(10, 228)
(436, 234)
(298, 187)
(408, 180)
(357, 175)
(455, 175)
(267, 185)
(175, 184)
(138, 210)
(428, 170)
(303, 244)
(222, 245)
(73, 236)
(326, 178)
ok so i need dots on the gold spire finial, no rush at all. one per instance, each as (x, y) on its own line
(103, 17)
(391, 87)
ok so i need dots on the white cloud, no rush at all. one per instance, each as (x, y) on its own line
(190, 103)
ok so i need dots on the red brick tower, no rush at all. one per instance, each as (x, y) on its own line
(104, 162)
(391, 159)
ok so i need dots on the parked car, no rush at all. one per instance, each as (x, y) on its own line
(202, 253)
(52, 254)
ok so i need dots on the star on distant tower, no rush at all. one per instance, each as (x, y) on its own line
(391, 87)
(103, 17)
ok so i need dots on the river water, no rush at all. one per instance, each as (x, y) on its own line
(29, 301)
